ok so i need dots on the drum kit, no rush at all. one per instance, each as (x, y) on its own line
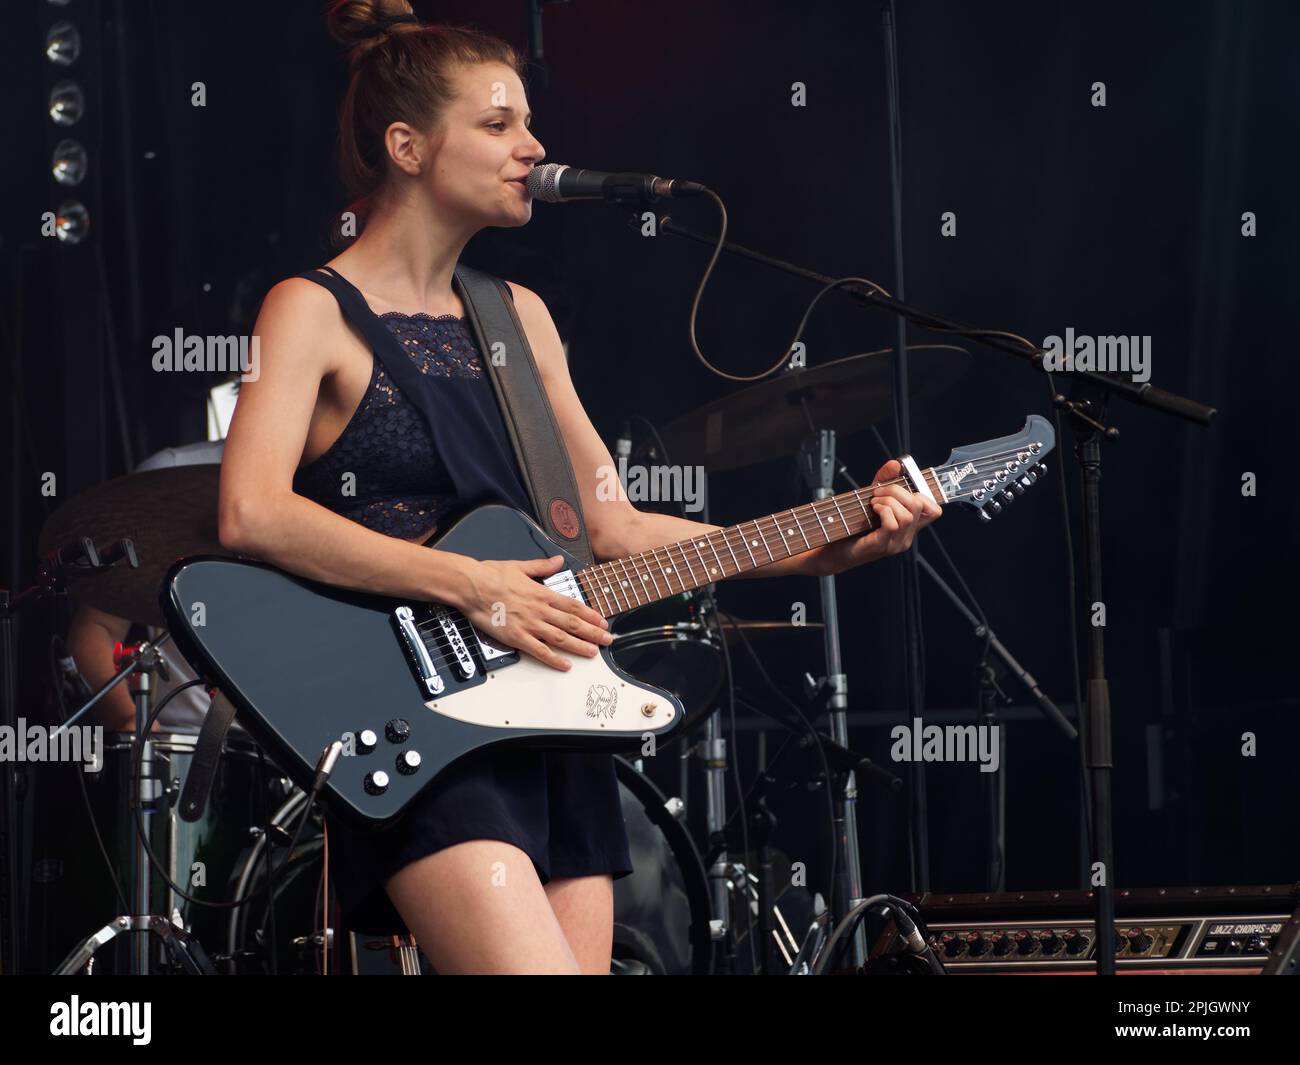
(240, 889)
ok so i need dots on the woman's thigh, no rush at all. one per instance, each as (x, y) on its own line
(478, 907)
(584, 906)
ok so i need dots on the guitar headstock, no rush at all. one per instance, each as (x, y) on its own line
(987, 476)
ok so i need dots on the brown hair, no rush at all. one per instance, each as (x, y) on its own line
(401, 72)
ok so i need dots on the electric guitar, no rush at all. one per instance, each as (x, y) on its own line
(410, 687)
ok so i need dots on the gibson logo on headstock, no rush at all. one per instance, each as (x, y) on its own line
(956, 476)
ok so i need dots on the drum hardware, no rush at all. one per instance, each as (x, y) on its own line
(140, 662)
(65, 558)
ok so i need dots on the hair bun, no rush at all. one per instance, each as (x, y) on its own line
(361, 24)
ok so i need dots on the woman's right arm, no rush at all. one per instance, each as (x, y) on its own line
(261, 515)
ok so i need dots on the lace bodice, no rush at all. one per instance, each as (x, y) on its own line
(399, 484)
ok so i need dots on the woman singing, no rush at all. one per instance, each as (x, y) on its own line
(506, 863)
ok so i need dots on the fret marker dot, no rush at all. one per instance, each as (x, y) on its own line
(753, 543)
(830, 517)
(625, 584)
(789, 532)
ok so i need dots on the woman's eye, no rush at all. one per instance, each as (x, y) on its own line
(495, 125)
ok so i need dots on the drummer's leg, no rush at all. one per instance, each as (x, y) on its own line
(584, 906)
(479, 907)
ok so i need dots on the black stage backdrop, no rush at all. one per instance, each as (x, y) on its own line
(1122, 219)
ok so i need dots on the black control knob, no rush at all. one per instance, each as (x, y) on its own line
(1076, 942)
(1003, 944)
(408, 762)
(397, 730)
(953, 946)
(977, 944)
(1026, 943)
(377, 782)
(1051, 943)
(367, 740)
(1139, 942)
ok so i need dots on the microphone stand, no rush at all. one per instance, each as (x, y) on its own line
(1091, 389)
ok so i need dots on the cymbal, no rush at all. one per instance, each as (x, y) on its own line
(752, 627)
(765, 420)
(168, 513)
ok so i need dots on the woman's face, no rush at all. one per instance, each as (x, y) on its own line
(483, 149)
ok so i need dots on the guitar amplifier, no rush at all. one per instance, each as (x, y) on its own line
(1233, 930)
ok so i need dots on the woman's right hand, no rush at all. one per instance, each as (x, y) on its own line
(508, 603)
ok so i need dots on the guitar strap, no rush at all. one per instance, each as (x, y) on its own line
(526, 410)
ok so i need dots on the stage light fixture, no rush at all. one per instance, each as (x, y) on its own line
(63, 44)
(67, 103)
(72, 222)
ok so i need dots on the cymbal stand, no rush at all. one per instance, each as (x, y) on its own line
(182, 948)
(818, 465)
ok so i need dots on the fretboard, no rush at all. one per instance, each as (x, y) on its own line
(637, 580)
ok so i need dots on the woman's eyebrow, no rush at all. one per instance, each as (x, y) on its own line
(510, 111)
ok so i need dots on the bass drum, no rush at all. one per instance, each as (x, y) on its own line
(661, 911)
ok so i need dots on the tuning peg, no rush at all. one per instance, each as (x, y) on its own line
(996, 507)
(1042, 469)
(985, 515)
(1018, 488)
(1029, 478)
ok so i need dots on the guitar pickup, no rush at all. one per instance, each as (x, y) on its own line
(454, 639)
(493, 652)
(416, 651)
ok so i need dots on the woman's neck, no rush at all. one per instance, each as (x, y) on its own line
(405, 257)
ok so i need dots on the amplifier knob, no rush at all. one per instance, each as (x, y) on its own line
(1026, 943)
(1051, 943)
(1075, 942)
(1003, 944)
(976, 944)
(1139, 942)
(953, 945)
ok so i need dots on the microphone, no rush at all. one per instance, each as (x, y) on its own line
(557, 183)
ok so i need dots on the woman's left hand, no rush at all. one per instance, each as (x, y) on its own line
(901, 514)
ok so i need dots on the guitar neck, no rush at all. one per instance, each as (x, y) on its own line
(638, 580)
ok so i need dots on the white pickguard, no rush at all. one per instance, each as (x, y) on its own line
(590, 697)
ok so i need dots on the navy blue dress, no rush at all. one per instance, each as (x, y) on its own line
(561, 808)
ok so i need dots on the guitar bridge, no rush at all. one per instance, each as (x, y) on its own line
(417, 652)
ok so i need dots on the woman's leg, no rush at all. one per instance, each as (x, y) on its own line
(584, 906)
(478, 907)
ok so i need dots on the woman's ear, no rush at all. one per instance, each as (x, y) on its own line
(405, 148)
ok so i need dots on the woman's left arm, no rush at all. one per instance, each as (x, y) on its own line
(616, 528)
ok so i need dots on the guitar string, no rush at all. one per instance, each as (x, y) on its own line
(804, 521)
(983, 464)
